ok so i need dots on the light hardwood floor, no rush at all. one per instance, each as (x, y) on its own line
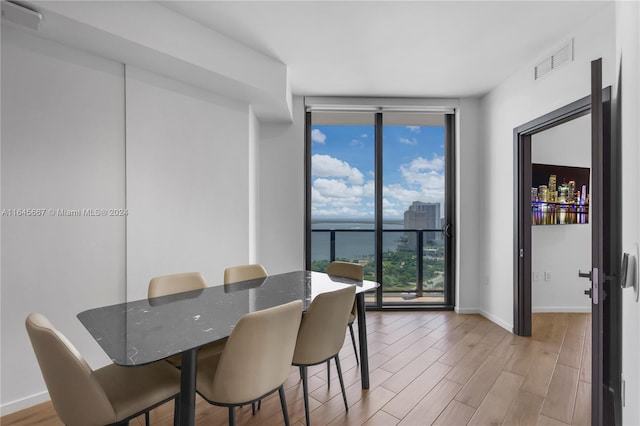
(427, 368)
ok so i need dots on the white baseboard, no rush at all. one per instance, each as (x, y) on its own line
(572, 310)
(466, 310)
(21, 404)
(507, 326)
(497, 321)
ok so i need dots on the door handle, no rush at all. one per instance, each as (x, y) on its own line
(588, 292)
(446, 230)
(584, 275)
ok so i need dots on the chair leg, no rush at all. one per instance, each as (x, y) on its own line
(146, 418)
(253, 406)
(232, 416)
(176, 411)
(344, 394)
(283, 403)
(353, 340)
(305, 392)
(328, 373)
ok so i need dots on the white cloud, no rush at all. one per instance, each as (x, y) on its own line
(414, 129)
(424, 181)
(327, 166)
(407, 141)
(334, 197)
(318, 137)
(337, 192)
(420, 164)
(390, 209)
(392, 213)
(369, 189)
(401, 193)
(427, 181)
(337, 212)
(406, 196)
(364, 135)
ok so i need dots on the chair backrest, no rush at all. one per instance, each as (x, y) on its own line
(321, 333)
(175, 283)
(76, 394)
(257, 356)
(346, 270)
(353, 271)
(234, 274)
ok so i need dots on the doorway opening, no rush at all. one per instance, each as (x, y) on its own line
(606, 345)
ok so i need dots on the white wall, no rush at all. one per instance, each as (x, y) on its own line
(468, 199)
(62, 148)
(253, 194)
(151, 35)
(519, 100)
(561, 250)
(187, 181)
(282, 198)
(281, 165)
(628, 74)
(83, 132)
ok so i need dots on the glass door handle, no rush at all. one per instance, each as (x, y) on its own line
(446, 230)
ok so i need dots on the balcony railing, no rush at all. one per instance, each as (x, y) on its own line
(403, 270)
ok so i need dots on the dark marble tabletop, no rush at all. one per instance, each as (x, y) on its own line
(144, 331)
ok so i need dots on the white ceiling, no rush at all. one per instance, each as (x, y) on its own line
(396, 48)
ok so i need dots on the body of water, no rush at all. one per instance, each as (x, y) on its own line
(352, 245)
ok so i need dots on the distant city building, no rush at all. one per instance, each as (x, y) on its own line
(552, 193)
(422, 216)
(552, 182)
(572, 191)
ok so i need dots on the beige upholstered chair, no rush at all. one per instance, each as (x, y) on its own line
(179, 283)
(321, 336)
(111, 395)
(235, 274)
(175, 283)
(255, 361)
(353, 271)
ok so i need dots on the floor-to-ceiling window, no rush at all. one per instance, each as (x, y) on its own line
(380, 193)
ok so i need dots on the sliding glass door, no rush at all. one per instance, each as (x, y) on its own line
(413, 196)
(379, 193)
(342, 158)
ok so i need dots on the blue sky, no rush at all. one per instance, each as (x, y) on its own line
(343, 165)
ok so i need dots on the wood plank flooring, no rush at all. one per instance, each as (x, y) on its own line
(427, 368)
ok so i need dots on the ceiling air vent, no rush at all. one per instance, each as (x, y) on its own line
(564, 54)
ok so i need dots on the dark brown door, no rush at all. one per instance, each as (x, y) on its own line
(605, 202)
(597, 240)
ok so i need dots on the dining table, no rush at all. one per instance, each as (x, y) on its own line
(149, 330)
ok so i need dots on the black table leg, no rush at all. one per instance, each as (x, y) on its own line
(188, 388)
(362, 338)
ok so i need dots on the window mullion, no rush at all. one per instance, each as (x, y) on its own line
(378, 205)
